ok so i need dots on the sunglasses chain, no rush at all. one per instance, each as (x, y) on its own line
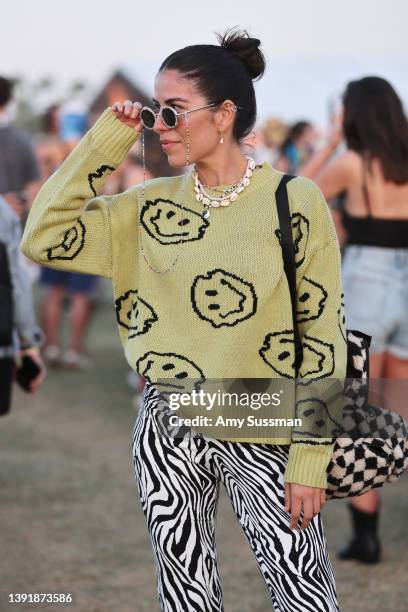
(144, 195)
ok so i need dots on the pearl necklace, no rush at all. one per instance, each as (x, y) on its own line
(230, 194)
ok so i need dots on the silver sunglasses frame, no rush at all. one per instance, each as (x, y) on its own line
(176, 114)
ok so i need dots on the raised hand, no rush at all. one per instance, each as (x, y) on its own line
(128, 113)
(336, 130)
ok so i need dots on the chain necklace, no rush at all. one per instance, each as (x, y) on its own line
(144, 202)
(223, 191)
(229, 195)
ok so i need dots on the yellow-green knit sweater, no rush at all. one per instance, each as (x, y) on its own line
(223, 310)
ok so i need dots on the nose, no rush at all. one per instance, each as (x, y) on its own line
(159, 126)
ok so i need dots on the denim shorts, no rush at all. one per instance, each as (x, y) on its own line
(375, 281)
(74, 282)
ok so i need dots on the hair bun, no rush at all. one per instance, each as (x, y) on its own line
(239, 43)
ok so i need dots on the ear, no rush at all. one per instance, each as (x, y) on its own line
(224, 117)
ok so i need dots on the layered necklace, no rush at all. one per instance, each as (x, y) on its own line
(230, 194)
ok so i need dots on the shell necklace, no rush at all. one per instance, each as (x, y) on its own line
(229, 195)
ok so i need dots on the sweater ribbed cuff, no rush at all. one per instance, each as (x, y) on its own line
(308, 463)
(112, 137)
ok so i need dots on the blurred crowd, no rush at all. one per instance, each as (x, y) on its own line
(361, 165)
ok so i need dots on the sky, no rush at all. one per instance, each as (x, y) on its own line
(312, 47)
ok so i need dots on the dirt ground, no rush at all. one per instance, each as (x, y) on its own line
(71, 519)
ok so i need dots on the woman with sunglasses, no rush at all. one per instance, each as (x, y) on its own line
(201, 296)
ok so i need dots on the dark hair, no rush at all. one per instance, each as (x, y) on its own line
(295, 131)
(6, 90)
(224, 72)
(375, 126)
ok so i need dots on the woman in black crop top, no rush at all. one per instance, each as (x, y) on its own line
(372, 175)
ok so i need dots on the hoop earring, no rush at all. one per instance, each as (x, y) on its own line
(221, 137)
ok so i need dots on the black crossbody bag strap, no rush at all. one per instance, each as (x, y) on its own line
(288, 254)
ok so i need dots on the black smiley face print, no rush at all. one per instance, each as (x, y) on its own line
(278, 352)
(300, 232)
(170, 223)
(318, 359)
(95, 179)
(222, 298)
(71, 245)
(316, 418)
(311, 301)
(134, 313)
(170, 372)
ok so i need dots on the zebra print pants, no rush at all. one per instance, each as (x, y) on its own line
(178, 482)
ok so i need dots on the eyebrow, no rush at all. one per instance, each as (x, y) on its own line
(171, 100)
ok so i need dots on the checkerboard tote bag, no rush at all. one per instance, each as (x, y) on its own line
(371, 445)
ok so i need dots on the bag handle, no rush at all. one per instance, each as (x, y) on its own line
(288, 254)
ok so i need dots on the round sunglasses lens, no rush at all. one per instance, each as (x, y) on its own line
(147, 117)
(169, 117)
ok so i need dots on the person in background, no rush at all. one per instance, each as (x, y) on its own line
(19, 171)
(373, 173)
(264, 142)
(274, 132)
(50, 149)
(19, 183)
(297, 147)
(62, 285)
(19, 332)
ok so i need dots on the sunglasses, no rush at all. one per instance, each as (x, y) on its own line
(168, 115)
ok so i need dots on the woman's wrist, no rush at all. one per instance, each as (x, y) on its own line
(112, 137)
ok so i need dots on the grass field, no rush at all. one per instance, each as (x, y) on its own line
(71, 519)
